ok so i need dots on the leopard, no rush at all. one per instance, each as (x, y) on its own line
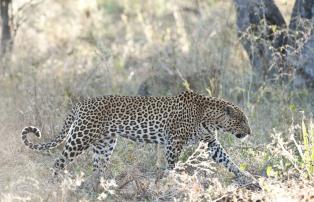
(171, 121)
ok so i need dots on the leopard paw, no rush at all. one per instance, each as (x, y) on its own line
(246, 180)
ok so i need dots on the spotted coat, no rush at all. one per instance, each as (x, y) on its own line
(172, 121)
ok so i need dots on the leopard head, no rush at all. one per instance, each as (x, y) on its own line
(228, 118)
(234, 121)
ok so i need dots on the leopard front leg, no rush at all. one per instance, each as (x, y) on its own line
(220, 156)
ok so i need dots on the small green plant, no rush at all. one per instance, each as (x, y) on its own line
(308, 147)
(270, 172)
(296, 153)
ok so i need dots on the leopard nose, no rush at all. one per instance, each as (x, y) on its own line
(249, 131)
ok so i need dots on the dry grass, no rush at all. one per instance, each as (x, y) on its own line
(68, 49)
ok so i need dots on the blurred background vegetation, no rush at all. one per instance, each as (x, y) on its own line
(257, 54)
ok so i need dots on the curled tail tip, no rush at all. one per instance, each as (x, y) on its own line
(31, 129)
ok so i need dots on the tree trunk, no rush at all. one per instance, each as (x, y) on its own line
(275, 52)
(301, 37)
(6, 30)
(261, 30)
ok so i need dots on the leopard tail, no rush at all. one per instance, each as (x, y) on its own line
(68, 123)
(45, 146)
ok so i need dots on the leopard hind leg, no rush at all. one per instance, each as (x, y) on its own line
(102, 151)
(75, 145)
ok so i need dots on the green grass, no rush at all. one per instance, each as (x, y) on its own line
(308, 147)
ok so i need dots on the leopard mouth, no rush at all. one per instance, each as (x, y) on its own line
(240, 135)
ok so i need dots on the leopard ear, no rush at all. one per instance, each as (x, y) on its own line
(230, 110)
